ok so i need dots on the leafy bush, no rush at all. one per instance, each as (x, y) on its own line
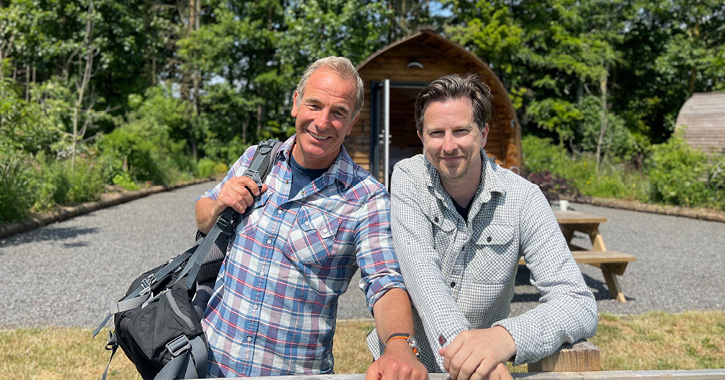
(542, 155)
(61, 183)
(552, 186)
(578, 173)
(15, 179)
(207, 167)
(124, 181)
(681, 175)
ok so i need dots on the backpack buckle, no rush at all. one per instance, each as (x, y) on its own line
(178, 346)
(146, 284)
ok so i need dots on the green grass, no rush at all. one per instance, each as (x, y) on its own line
(651, 341)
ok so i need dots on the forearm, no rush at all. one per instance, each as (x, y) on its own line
(207, 212)
(393, 314)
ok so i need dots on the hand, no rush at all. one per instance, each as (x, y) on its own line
(238, 193)
(501, 372)
(398, 362)
(475, 354)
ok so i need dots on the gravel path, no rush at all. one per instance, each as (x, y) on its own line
(66, 274)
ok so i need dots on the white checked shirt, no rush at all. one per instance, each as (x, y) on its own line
(461, 275)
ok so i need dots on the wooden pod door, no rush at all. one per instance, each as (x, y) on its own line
(385, 132)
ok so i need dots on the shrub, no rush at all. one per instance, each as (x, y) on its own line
(60, 183)
(552, 186)
(207, 167)
(541, 155)
(15, 179)
(679, 174)
(578, 173)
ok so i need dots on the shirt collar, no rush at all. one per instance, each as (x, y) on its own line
(490, 181)
(342, 169)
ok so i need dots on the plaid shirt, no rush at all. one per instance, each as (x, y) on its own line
(460, 274)
(275, 301)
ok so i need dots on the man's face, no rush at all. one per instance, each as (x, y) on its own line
(323, 117)
(452, 140)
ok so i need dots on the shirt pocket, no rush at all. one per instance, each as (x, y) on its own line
(495, 256)
(312, 238)
(442, 228)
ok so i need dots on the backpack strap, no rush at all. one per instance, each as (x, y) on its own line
(262, 161)
(189, 359)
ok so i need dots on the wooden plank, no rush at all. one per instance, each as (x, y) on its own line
(576, 217)
(697, 374)
(582, 356)
(598, 257)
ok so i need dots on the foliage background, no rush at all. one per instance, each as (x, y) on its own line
(100, 92)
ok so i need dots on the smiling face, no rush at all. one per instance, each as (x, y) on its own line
(324, 115)
(452, 141)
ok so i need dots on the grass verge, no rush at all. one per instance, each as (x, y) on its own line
(651, 341)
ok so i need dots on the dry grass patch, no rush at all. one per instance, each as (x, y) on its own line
(660, 341)
(651, 341)
(59, 353)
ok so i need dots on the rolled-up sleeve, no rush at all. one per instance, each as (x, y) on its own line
(379, 268)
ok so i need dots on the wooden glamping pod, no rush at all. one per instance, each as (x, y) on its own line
(404, 68)
(703, 119)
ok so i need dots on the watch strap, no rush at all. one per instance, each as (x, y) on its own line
(397, 336)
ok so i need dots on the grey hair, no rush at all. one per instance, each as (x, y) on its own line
(452, 87)
(343, 68)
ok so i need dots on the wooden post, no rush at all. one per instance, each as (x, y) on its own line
(582, 356)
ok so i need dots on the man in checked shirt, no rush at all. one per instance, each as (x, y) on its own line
(318, 217)
(460, 224)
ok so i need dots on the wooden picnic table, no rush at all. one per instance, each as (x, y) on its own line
(612, 263)
(572, 221)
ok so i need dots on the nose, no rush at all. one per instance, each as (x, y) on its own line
(449, 145)
(323, 119)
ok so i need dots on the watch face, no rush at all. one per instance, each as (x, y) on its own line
(414, 345)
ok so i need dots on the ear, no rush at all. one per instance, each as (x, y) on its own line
(420, 136)
(484, 134)
(349, 128)
(294, 104)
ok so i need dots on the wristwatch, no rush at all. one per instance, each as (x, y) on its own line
(408, 338)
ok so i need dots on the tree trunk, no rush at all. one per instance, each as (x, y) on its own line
(603, 120)
(87, 73)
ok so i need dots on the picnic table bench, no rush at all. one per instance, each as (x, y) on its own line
(612, 263)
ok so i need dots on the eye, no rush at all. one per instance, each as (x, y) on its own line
(314, 107)
(436, 134)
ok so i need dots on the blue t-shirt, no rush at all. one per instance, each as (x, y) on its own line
(301, 176)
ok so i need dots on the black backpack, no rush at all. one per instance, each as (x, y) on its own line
(158, 322)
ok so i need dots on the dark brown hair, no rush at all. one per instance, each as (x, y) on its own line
(451, 87)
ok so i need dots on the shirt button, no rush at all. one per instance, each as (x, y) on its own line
(488, 239)
(279, 211)
(269, 241)
(435, 219)
(463, 248)
(249, 339)
(453, 284)
(307, 223)
(256, 307)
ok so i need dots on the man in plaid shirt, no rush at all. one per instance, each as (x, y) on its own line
(318, 217)
(460, 224)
